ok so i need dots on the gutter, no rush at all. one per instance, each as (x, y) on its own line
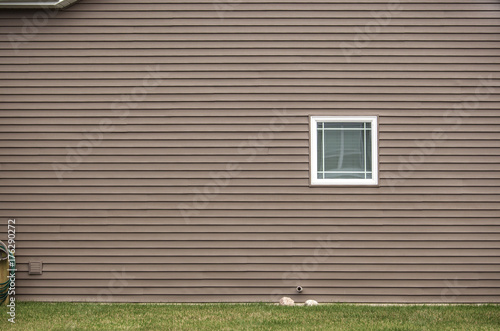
(23, 4)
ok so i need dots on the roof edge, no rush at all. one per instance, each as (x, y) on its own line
(59, 4)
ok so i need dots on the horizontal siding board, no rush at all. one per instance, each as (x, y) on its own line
(264, 90)
(217, 82)
(286, 1)
(61, 244)
(393, 259)
(308, 44)
(243, 111)
(247, 174)
(237, 159)
(257, 275)
(273, 67)
(55, 35)
(268, 252)
(239, 197)
(256, 21)
(430, 74)
(261, 236)
(217, 181)
(260, 17)
(243, 149)
(250, 290)
(229, 105)
(12, 146)
(221, 59)
(286, 228)
(11, 73)
(252, 55)
(186, 190)
(264, 298)
(168, 120)
(274, 126)
(261, 206)
(151, 152)
(156, 174)
(313, 286)
(250, 136)
(257, 221)
(283, 5)
(15, 145)
(287, 29)
(221, 98)
(109, 126)
(277, 267)
(228, 97)
(358, 6)
(331, 84)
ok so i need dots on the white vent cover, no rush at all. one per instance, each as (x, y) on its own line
(35, 268)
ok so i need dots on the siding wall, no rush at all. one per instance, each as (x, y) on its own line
(164, 100)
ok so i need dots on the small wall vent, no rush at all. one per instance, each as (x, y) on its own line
(35, 268)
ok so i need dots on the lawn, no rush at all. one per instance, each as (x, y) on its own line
(88, 316)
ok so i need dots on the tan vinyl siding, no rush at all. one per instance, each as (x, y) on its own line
(219, 75)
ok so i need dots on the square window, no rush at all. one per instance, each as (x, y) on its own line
(344, 150)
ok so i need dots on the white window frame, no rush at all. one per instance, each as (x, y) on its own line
(314, 150)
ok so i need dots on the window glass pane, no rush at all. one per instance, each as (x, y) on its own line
(343, 125)
(320, 153)
(368, 151)
(344, 150)
(344, 175)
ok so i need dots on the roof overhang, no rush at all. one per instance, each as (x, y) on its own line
(34, 4)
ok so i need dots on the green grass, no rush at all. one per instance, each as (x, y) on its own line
(89, 316)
